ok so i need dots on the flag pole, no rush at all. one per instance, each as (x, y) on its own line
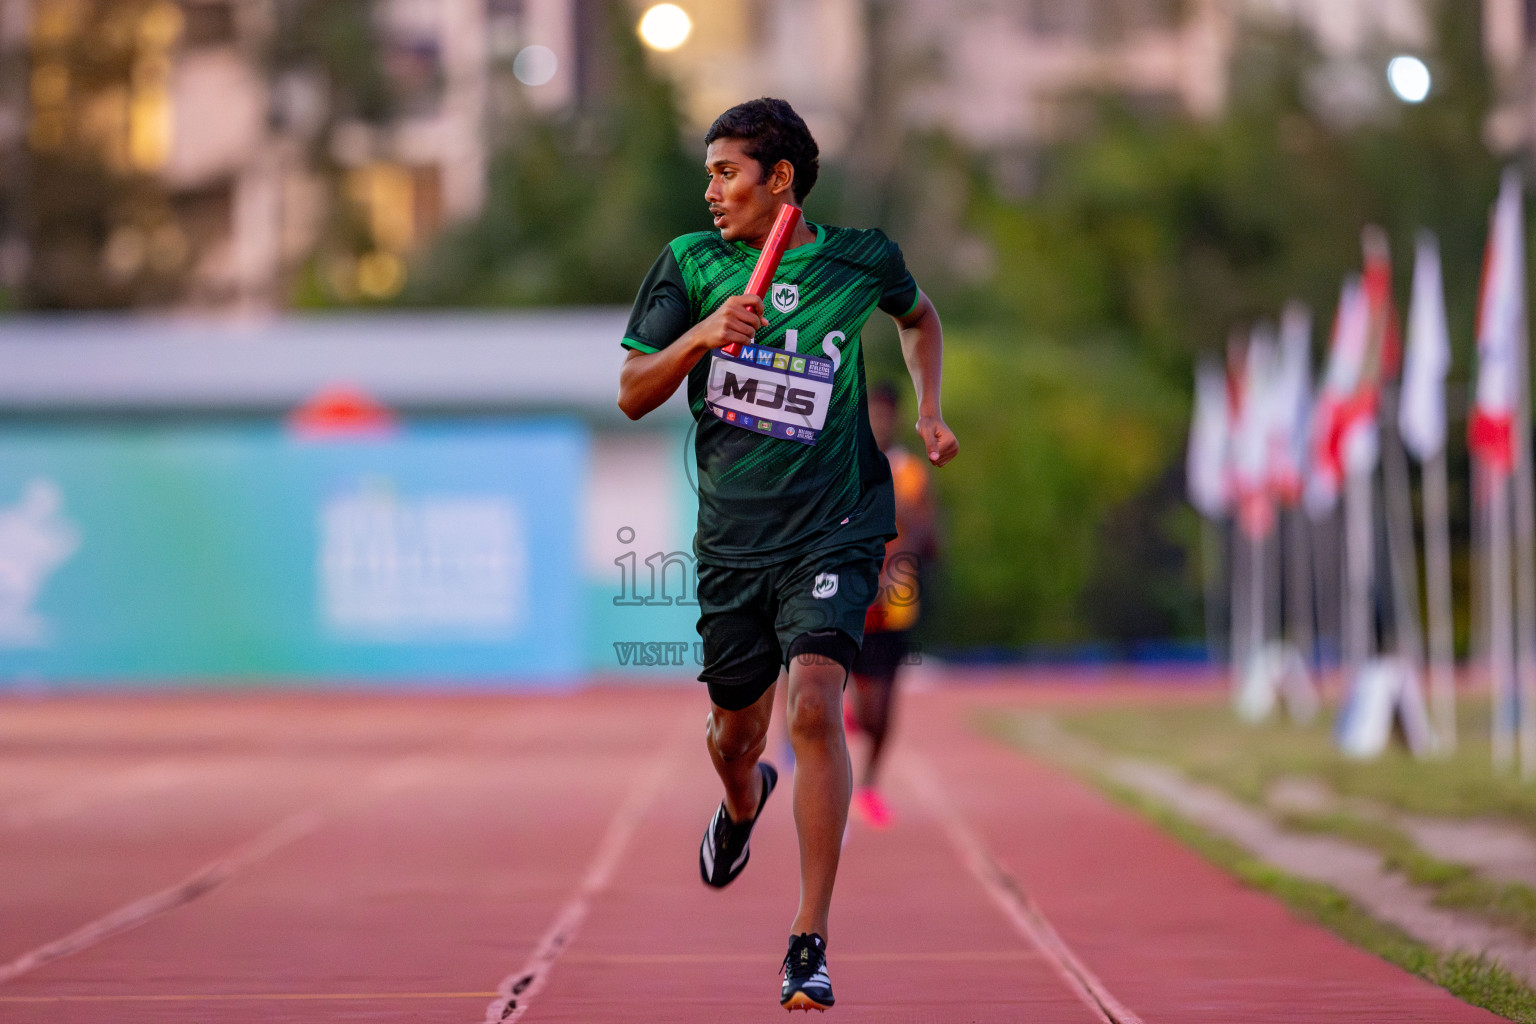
(1325, 544)
(1299, 607)
(1525, 547)
(1213, 568)
(1406, 628)
(1240, 635)
(1501, 627)
(1258, 619)
(1437, 568)
(1359, 556)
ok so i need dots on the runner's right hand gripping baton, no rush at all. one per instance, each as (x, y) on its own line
(768, 261)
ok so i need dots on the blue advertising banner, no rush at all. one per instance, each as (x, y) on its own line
(641, 578)
(438, 553)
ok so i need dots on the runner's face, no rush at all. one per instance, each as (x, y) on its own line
(740, 197)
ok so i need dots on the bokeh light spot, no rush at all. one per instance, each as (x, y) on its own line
(535, 65)
(665, 27)
(1409, 78)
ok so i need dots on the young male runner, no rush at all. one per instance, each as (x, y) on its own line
(889, 621)
(795, 499)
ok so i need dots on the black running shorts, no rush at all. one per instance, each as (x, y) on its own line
(754, 621)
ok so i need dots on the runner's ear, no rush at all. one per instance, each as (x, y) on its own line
(782, 178)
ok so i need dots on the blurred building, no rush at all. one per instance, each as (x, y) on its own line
(1012, 73)
(176, 154)
(424, 165)
(191, 153)
(142, 164)
(998, 74)
(1509, 34)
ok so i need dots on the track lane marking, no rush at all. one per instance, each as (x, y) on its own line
(516, 991)
(142, 910)
(198, 997)
(616, 959)
(1010, 897)
(619, 959)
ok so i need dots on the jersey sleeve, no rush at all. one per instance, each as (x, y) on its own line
(661, 313)
(899, 292)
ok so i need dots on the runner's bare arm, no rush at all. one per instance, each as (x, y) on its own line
(647, 379)
(922, 346)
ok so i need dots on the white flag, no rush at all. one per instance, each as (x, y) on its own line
(1421, 416)
(1292, 403)
(1254, 428)
(1209, 443)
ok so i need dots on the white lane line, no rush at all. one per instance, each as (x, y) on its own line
(516, 991)
(1011, 899)
(140, 911)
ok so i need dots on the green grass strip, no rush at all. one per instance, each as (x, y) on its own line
(1207, 743)
(1472, 979)
(1456, 886)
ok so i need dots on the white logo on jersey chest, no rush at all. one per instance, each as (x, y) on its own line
(785, 297)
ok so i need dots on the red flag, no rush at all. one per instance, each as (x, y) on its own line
(1500, 322)
(1344, 439)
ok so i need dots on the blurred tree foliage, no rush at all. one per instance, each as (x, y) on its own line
(1055, 440)
(104, 227)
(338, 43)
(579, 205)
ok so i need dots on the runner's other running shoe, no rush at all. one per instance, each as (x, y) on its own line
(724, 852)
(871, 807)
(806, 985)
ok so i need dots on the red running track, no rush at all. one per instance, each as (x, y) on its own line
(414, 858)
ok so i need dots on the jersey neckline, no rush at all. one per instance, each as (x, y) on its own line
(799, 250)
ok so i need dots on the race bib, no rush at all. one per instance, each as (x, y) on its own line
(770, 391)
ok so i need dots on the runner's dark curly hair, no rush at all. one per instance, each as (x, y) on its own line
(772, 132)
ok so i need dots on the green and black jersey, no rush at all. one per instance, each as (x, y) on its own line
(764, 499)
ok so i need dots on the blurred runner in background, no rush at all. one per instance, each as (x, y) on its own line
(889, 621)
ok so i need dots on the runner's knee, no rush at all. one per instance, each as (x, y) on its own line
(815, 708)
(737, 734)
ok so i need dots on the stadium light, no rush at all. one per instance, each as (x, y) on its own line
(665, 27)
(1409, 78)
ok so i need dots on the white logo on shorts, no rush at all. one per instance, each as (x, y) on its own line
(826, 585)
(786, 297)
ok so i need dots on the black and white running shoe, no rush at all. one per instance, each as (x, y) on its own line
(724, 851)
(806, 984)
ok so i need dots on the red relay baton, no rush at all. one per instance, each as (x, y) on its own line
(768, 261)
